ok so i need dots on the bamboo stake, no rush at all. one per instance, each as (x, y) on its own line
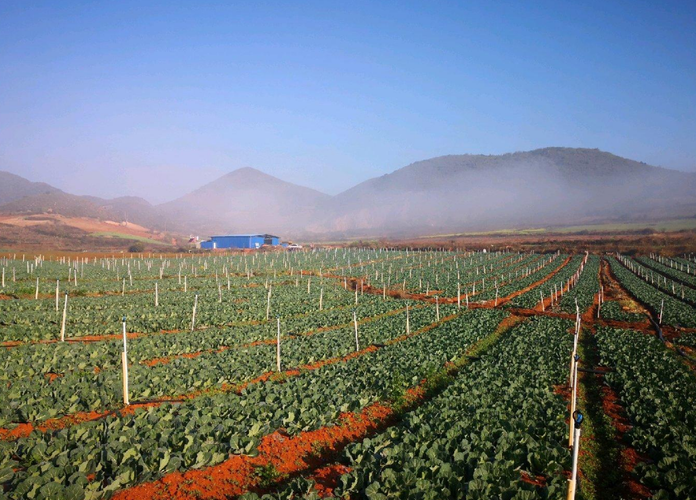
(57, 291)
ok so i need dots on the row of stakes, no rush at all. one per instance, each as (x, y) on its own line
(124, 354)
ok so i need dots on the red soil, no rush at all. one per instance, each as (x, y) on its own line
(539, 481)
(326, 479)
(285, 454)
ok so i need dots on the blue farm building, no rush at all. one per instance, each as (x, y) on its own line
(240, 241)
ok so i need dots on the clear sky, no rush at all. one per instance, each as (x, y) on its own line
(156, 98)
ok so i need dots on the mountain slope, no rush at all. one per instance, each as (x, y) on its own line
(21, 196)
(13, 187)
(477, 192)
(245, 200)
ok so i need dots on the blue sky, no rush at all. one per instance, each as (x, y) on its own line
(157, 98)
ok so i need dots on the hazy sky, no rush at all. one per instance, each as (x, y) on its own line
(156, 98)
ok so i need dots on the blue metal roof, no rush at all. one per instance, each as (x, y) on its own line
(244, 235)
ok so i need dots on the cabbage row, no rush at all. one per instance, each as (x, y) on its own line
(122, 451)
(499, 419)
(676, 312)
(659, 394)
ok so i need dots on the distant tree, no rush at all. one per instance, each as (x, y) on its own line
(137, 247)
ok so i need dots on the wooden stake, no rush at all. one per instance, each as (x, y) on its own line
(57, 291)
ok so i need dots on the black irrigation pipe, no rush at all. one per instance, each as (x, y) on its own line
(598, 372)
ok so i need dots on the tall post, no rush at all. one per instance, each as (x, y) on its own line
(65, 315)
(268, 303)
(459, 296)
(573, 396)
(278, 345)
(57, 292)
(437, 308)
(124, 363)
(36, 294)
(355, 325)
(408, 322)
(321, 298)
(156, 295)
(576, 422)
(662, 308)
(193, 316)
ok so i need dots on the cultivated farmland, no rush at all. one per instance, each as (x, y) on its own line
(348, 373)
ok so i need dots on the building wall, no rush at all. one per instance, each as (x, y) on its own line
(240, 241)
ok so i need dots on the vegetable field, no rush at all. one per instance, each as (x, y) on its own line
(348, 373)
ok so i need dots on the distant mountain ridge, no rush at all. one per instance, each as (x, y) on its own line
(455, 193)
(245, 200)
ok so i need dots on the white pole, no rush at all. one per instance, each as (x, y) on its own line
(355, 324)
(65, 314)
(321, 298)
(278, 344)
(437, 308)
(193, 317)
(268, 304)
(576, 421)
(662, 308)
(459, 296)
(124, 362)
(573, 397)
(57, 291)
(408, 322)
(36, 294)
(156, 295)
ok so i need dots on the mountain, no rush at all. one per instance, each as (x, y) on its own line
(20, 196)
(13, 187)
(245, 200)
(551, 186)
(458, 193)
